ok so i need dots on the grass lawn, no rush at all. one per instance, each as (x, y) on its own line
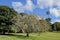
(33, 36)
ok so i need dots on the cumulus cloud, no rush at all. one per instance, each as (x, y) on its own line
(45, 3)
(48, 3)
(19, 7)
(57, 2)
(42, 4)
(29, 6)
(55, 12)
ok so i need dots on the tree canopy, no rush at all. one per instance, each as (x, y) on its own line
(11, 21)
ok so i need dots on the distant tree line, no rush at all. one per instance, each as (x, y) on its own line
(11, 21)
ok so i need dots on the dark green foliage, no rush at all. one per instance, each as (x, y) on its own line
(48, 20)
(49, 23)
(56, 26)
(6, 16)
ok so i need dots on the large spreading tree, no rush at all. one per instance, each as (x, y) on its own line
(6, 18)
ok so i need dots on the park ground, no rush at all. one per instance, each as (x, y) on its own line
(33, 36)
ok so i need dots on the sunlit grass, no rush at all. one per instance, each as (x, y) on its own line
(33, 36)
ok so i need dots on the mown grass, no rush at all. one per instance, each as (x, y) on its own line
(33, 36)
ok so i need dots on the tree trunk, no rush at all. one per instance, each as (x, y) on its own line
(27, 34)
(3, 32)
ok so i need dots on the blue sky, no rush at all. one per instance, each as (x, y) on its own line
(39, 7)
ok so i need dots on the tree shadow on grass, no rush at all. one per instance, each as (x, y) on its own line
(14, 35)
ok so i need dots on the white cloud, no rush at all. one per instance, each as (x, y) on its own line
(55, 12)
(57, 2)
(29, 6)
(42, 4)
(48, 3)
(17, 4)
(19, 7)
(45, 3)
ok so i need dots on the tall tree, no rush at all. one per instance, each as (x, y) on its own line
(56, 26)
(29, 22)
(6, 16)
